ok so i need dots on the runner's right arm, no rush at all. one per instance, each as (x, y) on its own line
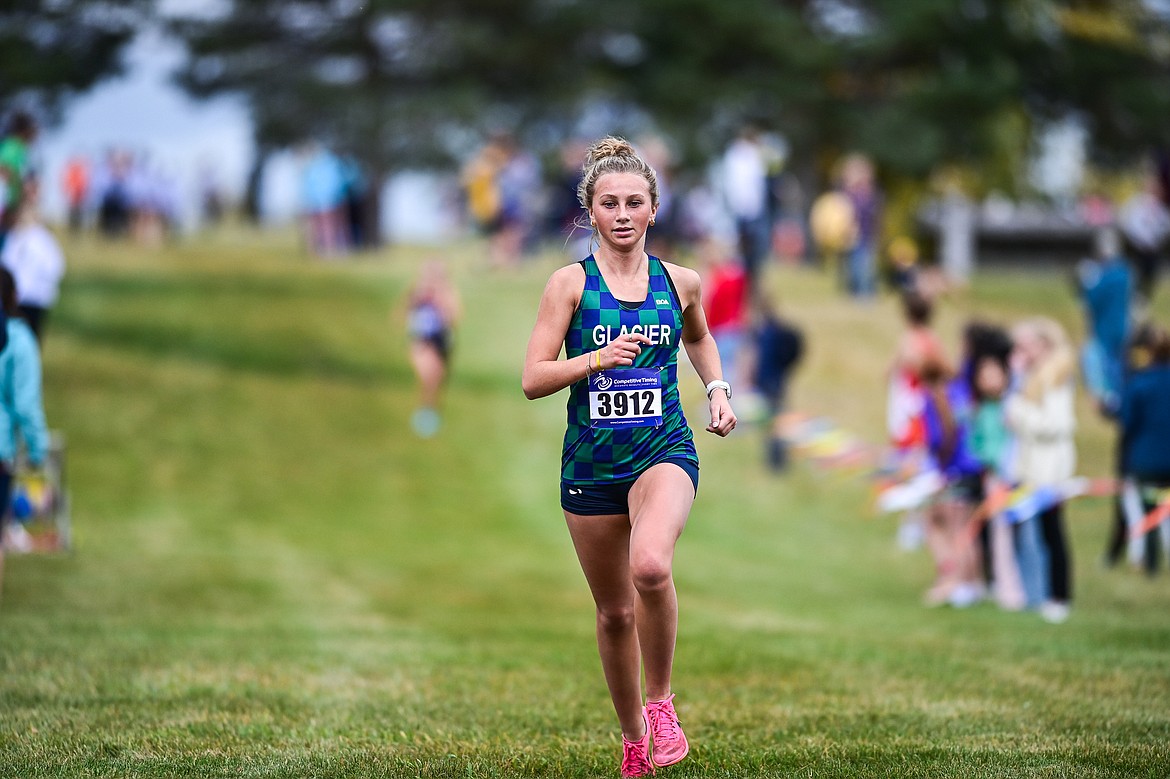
(544, 372)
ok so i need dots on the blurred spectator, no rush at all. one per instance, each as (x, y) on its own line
(34, 258)
(918, 346)
(976, 342)
(725, 292)
(905, 400)
(663, 240)
(519, 184)
(15, 165)
(357, 194)
(112, 190)
(1145, 424)
(991, 444)
(134, 196)
(790, 235)
(1127, 504)
(211, 200)
(1106, 289)
(434, 311)
(75, 180)
(22, 414)
(946, 416)
(482, 188)
(1105, 286)
(858, 184)
(789, 210)
(702, 214)
(903, 266)
(1041, 413)
(323, 201)
(1096, 209)
(833, 229)
(500, 182)
(1145, 225)
(153, 195)
(745, 189)
(779, 348)
(564, 211)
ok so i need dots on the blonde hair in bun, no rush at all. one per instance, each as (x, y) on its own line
(613, 155)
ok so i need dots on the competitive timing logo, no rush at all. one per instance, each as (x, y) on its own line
(604, 382)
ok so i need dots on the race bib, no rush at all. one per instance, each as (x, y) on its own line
(627, 397)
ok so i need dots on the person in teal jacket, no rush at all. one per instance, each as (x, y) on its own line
(22, 414)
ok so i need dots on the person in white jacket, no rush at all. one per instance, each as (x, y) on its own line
(1040, 411)
(35, 260)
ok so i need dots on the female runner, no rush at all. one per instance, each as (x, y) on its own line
(629, 470)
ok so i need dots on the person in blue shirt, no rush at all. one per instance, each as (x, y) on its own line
(779, 347)
(1138, 358)
(322, 191)
(1145, 431)
(22, 414)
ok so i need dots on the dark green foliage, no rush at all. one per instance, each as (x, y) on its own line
(52, 50)
(915, 83)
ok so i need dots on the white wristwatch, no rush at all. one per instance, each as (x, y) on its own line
(719, 384)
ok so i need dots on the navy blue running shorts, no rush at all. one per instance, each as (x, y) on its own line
(590, 500)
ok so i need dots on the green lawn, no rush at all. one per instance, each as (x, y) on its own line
(274, 578)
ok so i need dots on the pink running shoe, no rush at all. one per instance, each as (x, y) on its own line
(636, 755)
(670, 745)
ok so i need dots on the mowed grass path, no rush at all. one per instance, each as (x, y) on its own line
(274, 578)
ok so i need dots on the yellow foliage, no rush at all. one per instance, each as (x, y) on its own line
(1099, 25)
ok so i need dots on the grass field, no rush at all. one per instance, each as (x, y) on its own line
(274, 578)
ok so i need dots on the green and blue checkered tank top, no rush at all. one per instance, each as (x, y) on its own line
(594, 454)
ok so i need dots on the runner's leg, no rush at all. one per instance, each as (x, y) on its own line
(602, 544)
(660, 502)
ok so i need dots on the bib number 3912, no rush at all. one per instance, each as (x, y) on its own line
(629, 397)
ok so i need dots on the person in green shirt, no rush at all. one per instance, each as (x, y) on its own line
(14, 163)
(1014, 551)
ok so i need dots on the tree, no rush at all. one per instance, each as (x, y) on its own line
(394, 83)
(51, 51)
(916, 84)
(927, 82)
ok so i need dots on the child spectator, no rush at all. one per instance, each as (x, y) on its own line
(986, 349)
(904, 400)
(903, 265)
(1040, 412)
(1015, 563)
(947, 418)
(918, 346)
